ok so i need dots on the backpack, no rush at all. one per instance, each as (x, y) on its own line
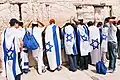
(101, 68)
(29, 40)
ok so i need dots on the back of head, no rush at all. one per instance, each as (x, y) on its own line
(52, 21)
(107, 20)
(99, 24)
(34, 24)
(20, 24)
(90, 23)
(118, 23)
(13, 21)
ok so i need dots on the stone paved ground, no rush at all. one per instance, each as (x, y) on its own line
(65, 74)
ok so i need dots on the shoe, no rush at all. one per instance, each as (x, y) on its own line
(44, 69)
(52, 70)
(73, 70)
(59, 68)
(78, 67)
(25, 71)
(110, 71)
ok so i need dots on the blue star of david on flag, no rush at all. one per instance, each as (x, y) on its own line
(48, 47)
(10, 57)
(69, 37)
(10, 54)
(95, 44)
(84, 38)
(104, 37)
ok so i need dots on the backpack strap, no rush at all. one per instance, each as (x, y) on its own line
(32, 30)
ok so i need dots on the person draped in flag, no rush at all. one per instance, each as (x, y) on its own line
(23, 56)
(69, 37)
(94, 38)
(11, 45)
(53, 46)
(36, 30)
(83, 46)
(104, 43)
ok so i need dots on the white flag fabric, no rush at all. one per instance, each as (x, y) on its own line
(10, 49)
(70, 40)
(94, 35)
(53, 46)
(83, 40)
(104, 44)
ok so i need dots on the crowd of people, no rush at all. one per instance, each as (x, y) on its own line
(82, 43)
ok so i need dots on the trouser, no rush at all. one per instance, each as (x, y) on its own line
(19, 60)
(72, 62)
(38, 55)
(89, 58)
(78, 59)
(119, 49)
(18, 77)
(84, 62)
(112, 48)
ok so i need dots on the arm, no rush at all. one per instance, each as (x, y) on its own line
(27, 25)
(40, 23)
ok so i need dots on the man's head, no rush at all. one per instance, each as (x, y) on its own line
(118, 23)
(14, 22)
(99, 24)
(112, 20)
(90, 23)
(80, 20)
(34, 24)
(52, 21)
(20, 24)
(107, 20)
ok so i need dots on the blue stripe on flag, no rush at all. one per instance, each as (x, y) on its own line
(14, 60)
(74, 45)
(86, 31)
(26, 63)
(78, 41)
(56, 45)
(74, 50)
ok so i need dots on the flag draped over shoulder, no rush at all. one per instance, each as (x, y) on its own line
(10, 49)
(83, 40)
(95, 44)
(104, 39)
(53, 46)
(70, 40)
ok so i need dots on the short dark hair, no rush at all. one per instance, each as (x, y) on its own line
(20, 23)
(107, 19)
(113, 17)
(90, 23)
(33, 25)
(13, 21)
(118, 23)
(99, 24)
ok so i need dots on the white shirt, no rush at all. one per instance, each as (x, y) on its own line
(112, 33)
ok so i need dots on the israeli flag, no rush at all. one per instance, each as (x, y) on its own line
(104, 44)
(10, 50)
(95, 44)
(83, 40)
(70, 40)
(53, 46)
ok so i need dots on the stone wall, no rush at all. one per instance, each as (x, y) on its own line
(61, 10)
